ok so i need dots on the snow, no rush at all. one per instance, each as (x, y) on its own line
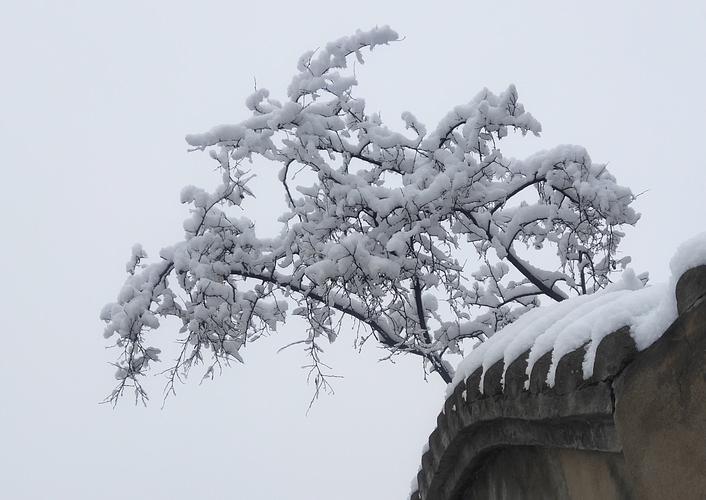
(690, 254)
(585, 320)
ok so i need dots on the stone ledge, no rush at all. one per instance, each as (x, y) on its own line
(575, 413)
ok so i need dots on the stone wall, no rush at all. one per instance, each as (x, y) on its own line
(547, 473)
(636, 429)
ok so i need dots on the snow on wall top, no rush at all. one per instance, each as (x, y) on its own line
(585, 320)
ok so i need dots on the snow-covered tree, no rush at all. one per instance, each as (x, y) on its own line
(420, 236)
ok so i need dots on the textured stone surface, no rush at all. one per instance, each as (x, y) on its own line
(569, 372)
(515, 375)
(469, 450)
(491, 381)
(661, 412)
(473, 385)
(540, 370)
(614, 353)
(691, 287)
(549, 473)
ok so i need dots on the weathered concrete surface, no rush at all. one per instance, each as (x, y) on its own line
(549, 473)
(636, 429)
(691, 287)
(661, 412)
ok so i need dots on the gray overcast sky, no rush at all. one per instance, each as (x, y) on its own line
(95, 99)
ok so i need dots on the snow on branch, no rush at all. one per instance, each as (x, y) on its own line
(422, 238)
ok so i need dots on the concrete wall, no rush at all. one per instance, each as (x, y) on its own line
(660, 409)
(549, 473)
(636, 429)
